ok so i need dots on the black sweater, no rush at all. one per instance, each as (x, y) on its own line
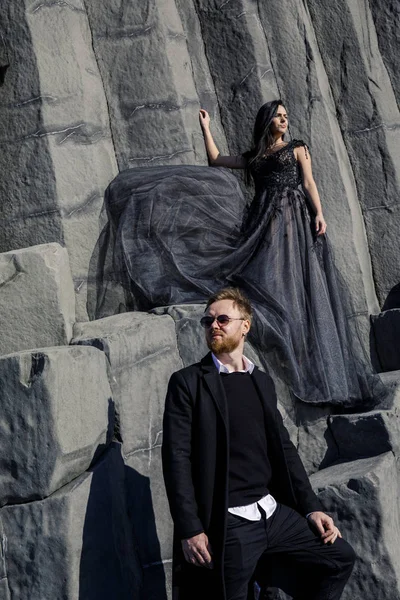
(249, 466)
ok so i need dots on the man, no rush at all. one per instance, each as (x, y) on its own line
(239, 496)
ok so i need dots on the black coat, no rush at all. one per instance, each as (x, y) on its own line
(195, 454)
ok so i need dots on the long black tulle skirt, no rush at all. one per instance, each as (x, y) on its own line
(177, 234)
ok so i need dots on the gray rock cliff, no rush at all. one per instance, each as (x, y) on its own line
(88, 88)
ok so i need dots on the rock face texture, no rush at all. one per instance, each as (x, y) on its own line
(36, 297)
(362, 496)
(87, 88)
(81, 431)
(59, 402)
(55, 125)
(64, 482)
(84, 528)
(93, 86)
(142, 352)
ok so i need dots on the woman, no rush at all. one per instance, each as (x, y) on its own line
(290, 271)
(178, 233)
(269, 132)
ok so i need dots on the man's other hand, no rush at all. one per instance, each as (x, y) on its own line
(197, 551)
(325, 526)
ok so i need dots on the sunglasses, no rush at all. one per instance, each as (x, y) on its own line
(222, 320)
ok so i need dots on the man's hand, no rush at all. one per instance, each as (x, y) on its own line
(325, 526)
(197, 551)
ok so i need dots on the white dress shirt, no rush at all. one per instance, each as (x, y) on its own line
(267, 503)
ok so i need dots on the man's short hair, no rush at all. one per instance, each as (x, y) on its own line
(238, 298)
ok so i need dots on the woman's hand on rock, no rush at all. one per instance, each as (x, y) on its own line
(204, 118)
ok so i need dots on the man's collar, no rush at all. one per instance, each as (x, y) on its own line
(248, 365)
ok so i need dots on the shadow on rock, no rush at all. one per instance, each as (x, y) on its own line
(109, 564)
(4, 60)
(142, 518)
(393, 298)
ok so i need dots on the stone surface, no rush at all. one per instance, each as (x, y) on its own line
(262, 35)
(92, 84)
(202, 74)
(306, 91)
(143, 354)
(154, 106)
(148, 506)
(391, 380)
(56, 415)
(240, 86)
(189, 333)
(386, 332)
(37, 301)
(315, 444)
(368, 115)
(57, 154)
(4, 589)
(244, 84)
(386, 18)
(362, 497)
(230, 56)
(151, 521)
(83, 527)
(324, 437)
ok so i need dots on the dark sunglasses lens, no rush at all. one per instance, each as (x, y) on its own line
(223, 319)
(206, 322)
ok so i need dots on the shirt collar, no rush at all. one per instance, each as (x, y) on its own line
(248, 365)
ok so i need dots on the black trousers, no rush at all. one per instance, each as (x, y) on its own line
(309, 569)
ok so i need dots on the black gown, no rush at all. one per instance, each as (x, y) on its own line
(177, 234)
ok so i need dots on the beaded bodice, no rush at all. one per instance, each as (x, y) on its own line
(278, 169)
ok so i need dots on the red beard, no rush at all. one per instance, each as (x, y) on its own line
(223, 345)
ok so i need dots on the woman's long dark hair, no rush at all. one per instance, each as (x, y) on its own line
(262, 136)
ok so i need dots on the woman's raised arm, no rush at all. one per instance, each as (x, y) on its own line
(216, 160)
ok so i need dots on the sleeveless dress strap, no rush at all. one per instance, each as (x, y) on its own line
(298, 144)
